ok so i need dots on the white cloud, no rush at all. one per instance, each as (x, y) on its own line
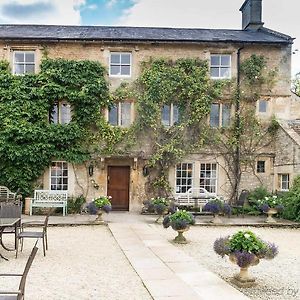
(66, 12)
(278, 15)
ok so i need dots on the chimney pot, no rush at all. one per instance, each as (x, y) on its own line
(252, 14)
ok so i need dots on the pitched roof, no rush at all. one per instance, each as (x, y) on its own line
(155, 34)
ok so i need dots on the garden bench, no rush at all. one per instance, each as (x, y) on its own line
(46, 198)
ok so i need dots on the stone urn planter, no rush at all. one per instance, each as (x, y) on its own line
(271, 212)
(216, 207)
(180, 221)
(161, 207)
(98, 206)
(245, 250)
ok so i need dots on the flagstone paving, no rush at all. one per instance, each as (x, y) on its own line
(166, 271)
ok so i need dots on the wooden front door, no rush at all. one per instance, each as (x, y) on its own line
(118, 186)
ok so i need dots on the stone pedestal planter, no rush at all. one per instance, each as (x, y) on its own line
(180, 239)
(99, 219)
(271, 212)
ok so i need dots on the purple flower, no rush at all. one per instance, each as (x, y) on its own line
(212, 207)
(221, 246)
(265, 207)
(92, 209)
(279, 207)
(227, 209)
(106, 208)
(179, 224)
(272, 251)
(244, 258)
(166, 222)
(160, 208)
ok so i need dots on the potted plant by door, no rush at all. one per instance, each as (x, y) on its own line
(98, 206)
(270, 206)
(180, 221)
(244, 249)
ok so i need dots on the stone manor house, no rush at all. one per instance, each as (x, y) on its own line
(121, 50)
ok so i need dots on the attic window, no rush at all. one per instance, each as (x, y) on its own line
(220, 66)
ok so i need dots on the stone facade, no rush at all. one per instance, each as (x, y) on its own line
(283, 158)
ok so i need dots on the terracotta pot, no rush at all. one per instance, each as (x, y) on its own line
(270, 213)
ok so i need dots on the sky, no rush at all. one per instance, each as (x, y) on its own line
(279, 15)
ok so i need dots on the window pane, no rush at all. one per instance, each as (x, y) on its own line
(115, 70)
(225, 60)
(125, 114)
(29, 68)
(175, 114)
(214, 72)
(115, 59)
(260, 166)
(262, 106)
(65, 113)
(113, 115)
(165, 115)
(54, 114)
(225, 72)
(125, 70)
(29, 57)
(184, 178)
(19, 69)
(225, 115)
(19, 57)
(125, 59)
(58, 181)
(214, 115)
(215, 60)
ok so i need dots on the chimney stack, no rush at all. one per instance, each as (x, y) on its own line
(252, 14)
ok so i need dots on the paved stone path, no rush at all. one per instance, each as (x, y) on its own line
(166, 271)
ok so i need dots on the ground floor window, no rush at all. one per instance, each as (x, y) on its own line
(208, 177)
(284, 182)
(184, 177)
(59, 175)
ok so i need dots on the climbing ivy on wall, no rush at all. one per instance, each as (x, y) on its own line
(28, 142)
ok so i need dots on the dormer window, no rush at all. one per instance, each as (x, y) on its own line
(23, 62)
(60, 113)
(220, 66)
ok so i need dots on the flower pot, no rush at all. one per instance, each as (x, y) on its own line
(270, 213)
(243, 279)
(180, 239)
(99, 219)
(161, 215)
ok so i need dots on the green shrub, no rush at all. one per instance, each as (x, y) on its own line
(291, 202)
(75, 204)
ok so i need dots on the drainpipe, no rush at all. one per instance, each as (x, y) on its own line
(238, 124)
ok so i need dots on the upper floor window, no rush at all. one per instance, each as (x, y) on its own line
(262, 106)
(23, 62)
(184, 177)
(169, 115)
(60, 113)
(284, 182)
(120, 114)
(260, 167)
(59, 175)
(120, 64)
(208, 177)
(220, 115)
(220, 66)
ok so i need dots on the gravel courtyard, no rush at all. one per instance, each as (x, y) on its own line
(277, 279)
(83, 262)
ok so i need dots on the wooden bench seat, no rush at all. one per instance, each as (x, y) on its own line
(46, 198)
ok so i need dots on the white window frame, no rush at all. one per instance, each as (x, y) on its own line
(171, 117)
(220, 125)
(192, 178)
(62, 176)
(119, 116)
(59, 112)
(281, 181)
(130, 65)
(24, 63)
(220, 66)
(209, 178)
